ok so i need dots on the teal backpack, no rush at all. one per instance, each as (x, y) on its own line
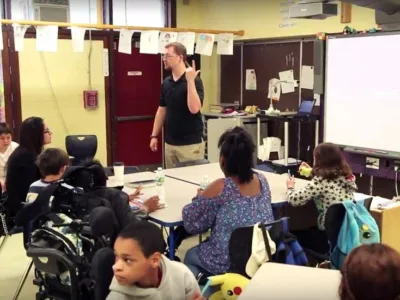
(358, 228)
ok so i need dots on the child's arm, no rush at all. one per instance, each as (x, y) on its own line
(302, 196)
(199, 215)
(192, 289)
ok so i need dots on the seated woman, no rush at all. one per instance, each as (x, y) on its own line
(332, 182)
(22, 170)
(7, 146)
(371, 272)
(240, 199)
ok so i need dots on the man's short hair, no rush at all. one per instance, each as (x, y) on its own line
(148, 236)
(4, 128)
(51, 160)
(179, 49)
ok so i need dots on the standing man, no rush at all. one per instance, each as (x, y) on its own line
(181, 99)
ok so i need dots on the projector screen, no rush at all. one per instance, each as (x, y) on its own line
(362, 91)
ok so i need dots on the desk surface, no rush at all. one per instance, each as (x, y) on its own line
(195, 174)
(286, 282)
(177, 194)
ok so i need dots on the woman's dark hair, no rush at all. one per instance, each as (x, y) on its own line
(329, 162)
(4, 128)
(237, 149)
(371, 272)
(31, 136)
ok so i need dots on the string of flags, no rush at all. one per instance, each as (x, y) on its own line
(151, 41)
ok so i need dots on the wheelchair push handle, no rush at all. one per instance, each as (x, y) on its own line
(75, 225)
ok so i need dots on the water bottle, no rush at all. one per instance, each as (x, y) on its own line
(160, 177)
(205, 182)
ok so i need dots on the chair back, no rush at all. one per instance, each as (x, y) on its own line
(81, 147)
(192, 163)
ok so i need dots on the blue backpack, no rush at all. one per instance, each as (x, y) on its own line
(289, 251)
(358, 228)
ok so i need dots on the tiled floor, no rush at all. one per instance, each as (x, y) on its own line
(13, 262)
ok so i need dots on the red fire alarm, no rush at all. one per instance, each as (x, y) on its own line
(90, 99)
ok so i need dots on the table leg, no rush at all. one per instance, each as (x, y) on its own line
(316, 133)
(171, 239)
(286, 137)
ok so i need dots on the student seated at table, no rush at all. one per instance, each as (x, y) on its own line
(332, 182)
(142, 272)
(7, 146)
(120, 199)
(242, 198)
(371, 272)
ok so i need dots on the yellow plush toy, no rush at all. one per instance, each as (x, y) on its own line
(232, 285)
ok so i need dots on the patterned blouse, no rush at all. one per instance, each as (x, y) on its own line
(223, 214)
(324, 193)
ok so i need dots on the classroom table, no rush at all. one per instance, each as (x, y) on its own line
(177, 194)
(285, 282)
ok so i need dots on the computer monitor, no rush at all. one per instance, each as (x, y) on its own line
(306, 107)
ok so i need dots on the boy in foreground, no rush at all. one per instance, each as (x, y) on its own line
(142, 272)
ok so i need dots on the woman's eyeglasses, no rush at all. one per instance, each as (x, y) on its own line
(47, 131)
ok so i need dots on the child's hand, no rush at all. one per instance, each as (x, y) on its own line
(136, 194)
(198, 296)
(290, 182)
(151, 204)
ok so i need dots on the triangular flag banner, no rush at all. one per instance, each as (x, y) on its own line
(47, 38)
(125, 41)
(205, 44)
(149, 42)
(78, 38)
(19, 33)
(225, 44)
(187, 39)
(166, 38)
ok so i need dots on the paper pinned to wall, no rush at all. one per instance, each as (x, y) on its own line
(125, 41)
(149, 41)
(307, 77)
(205, 44)
(47, 38)
(274, 89)
(225, 44)
(317, 98)
(187, 39)
(19, 33)
(1, 40)
(78, 38)
(166, 38)
(287, 81)
(106, 65)
(251, 80)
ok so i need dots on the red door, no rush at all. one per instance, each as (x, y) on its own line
(137, 83)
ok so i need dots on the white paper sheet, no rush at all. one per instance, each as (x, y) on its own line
(187, 39)
(251, 80)
(287, 81)
(166, 38)
(1, 40)
(19, 33)
(47, 38)
(106, 65)
(317, 98)
(225, 44)
(149, 42)
(125, 41)
(205, 44)
(78, 38)
(307, 77)
(274, 89)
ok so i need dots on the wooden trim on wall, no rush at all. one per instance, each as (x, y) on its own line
(345, 12)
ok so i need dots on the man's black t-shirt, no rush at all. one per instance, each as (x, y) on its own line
(181, 126)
